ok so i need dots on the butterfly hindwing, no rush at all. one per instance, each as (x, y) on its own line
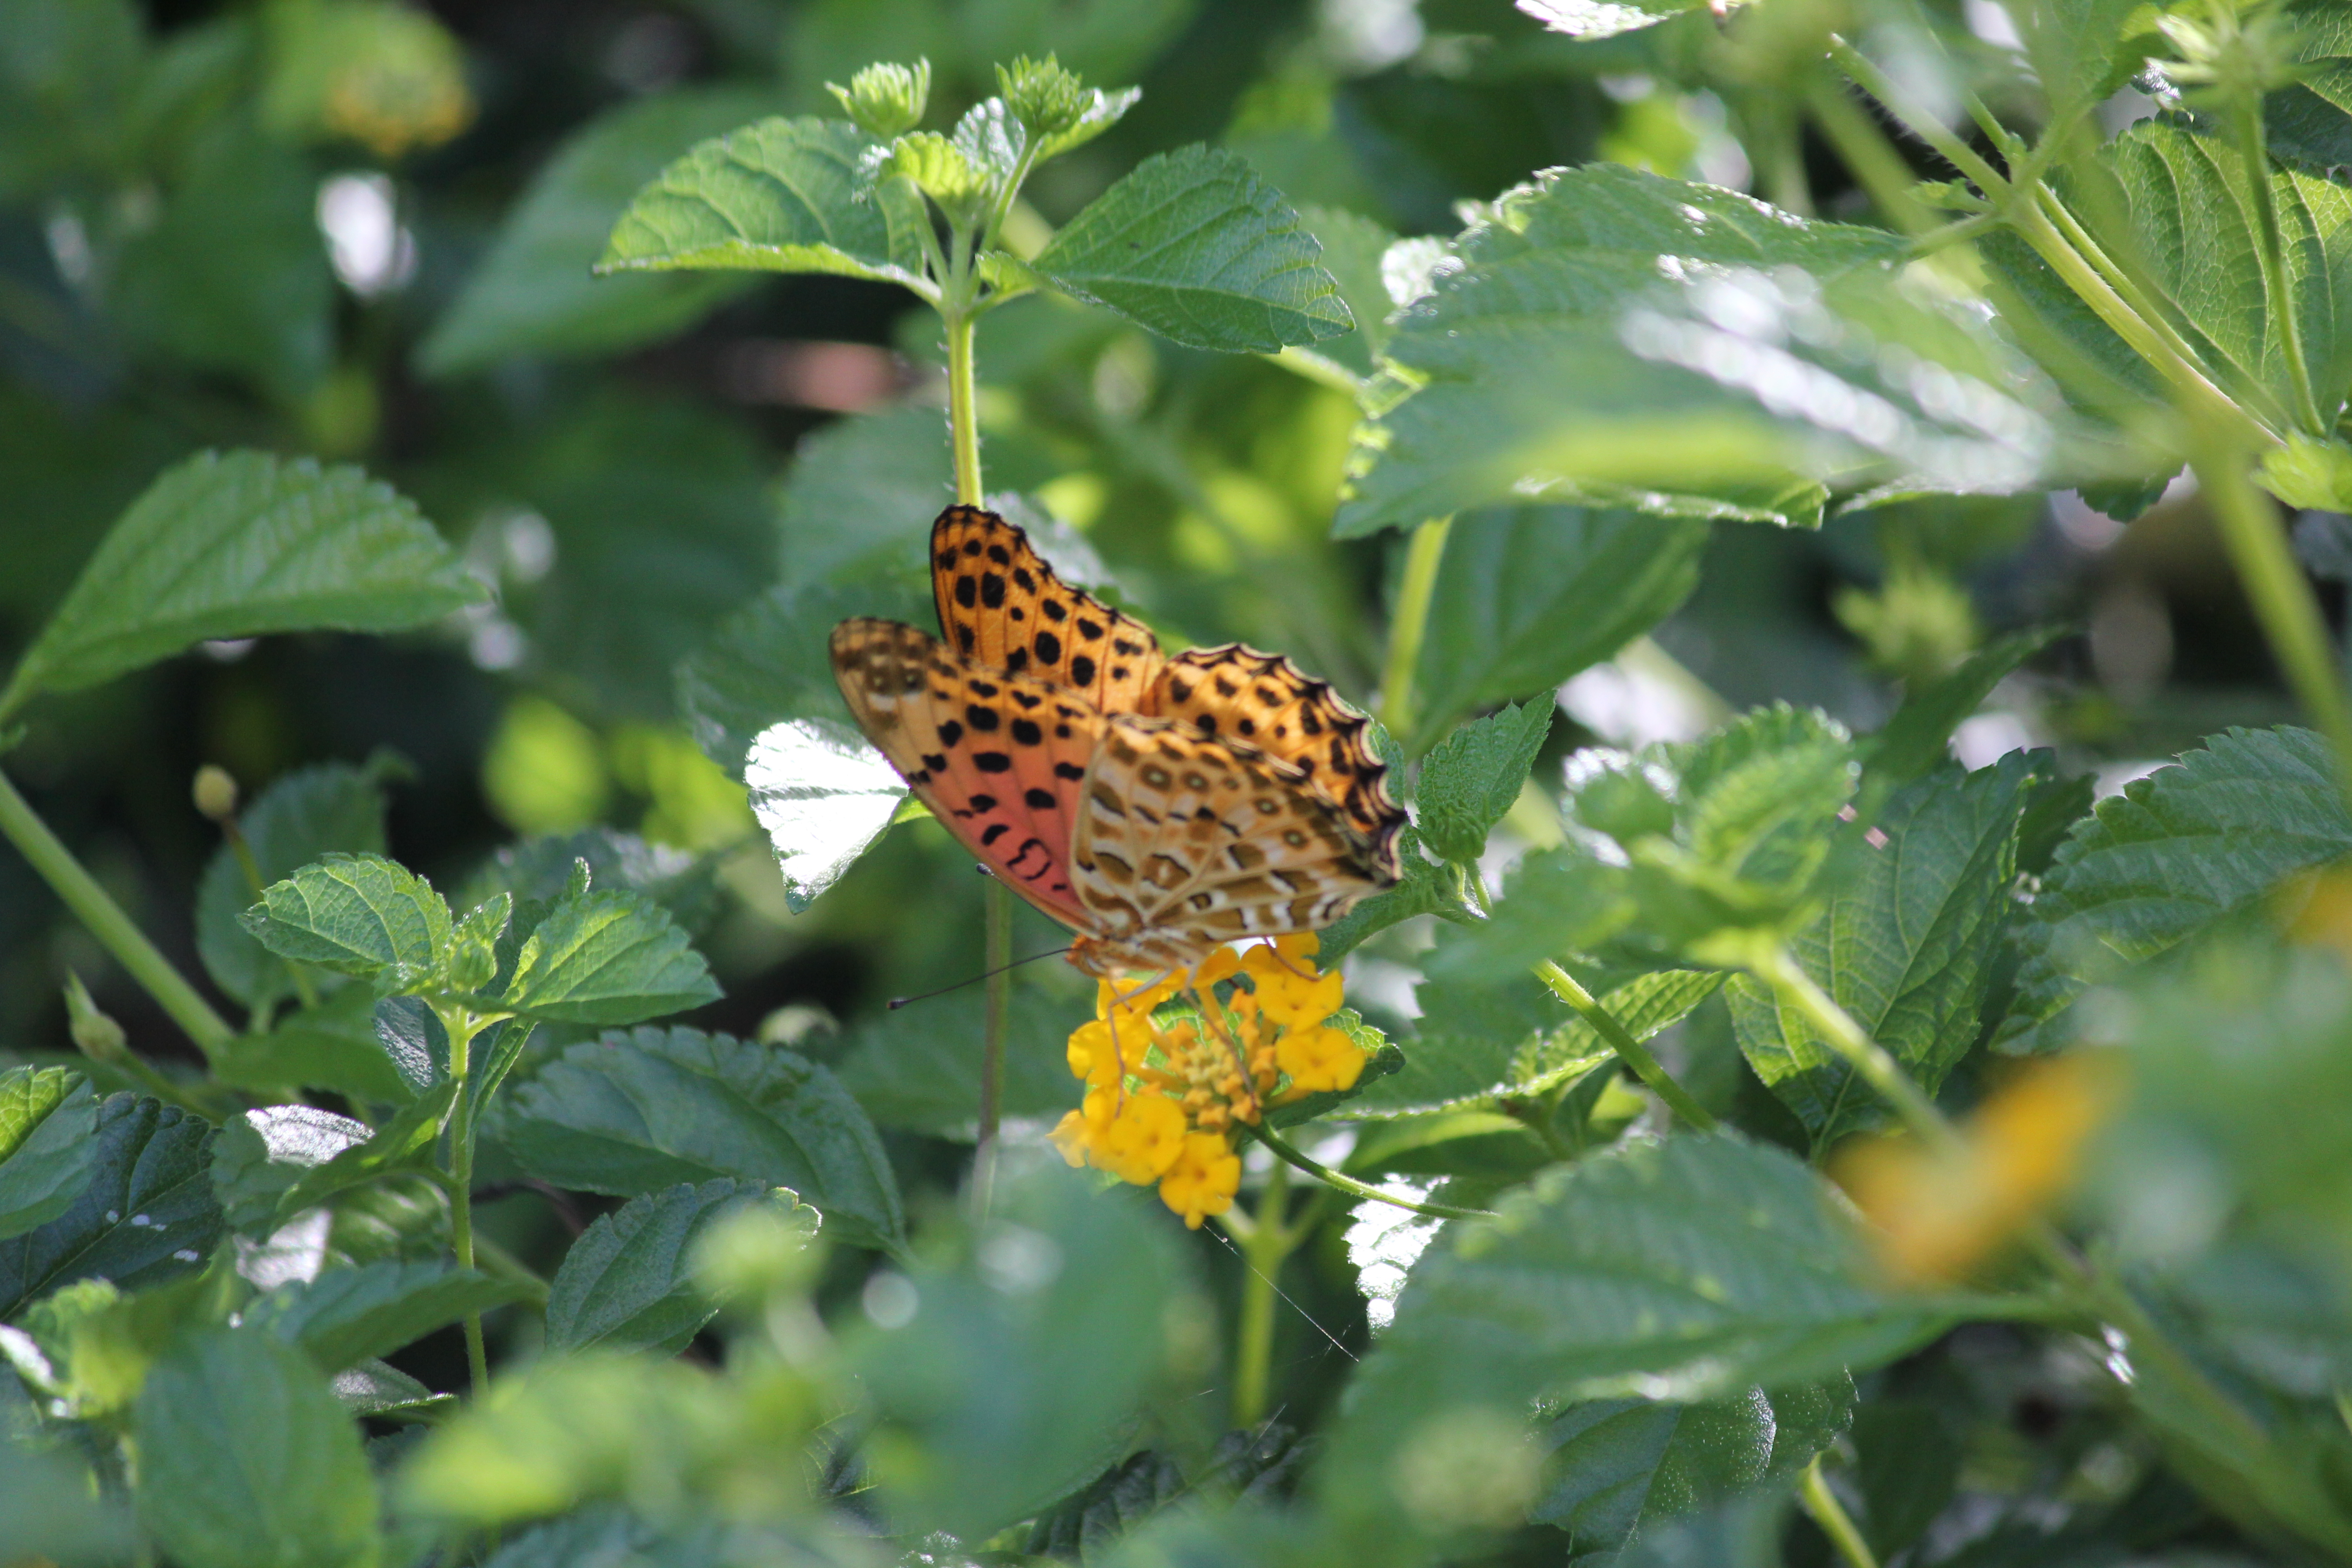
(1002, 606)
(998, 758)
(1265, 701)
(1185, 842)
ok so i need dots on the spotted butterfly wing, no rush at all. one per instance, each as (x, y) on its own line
(1185, 842)
(1002, 605)
(996, 595)
(998, 758)
(1267, 702)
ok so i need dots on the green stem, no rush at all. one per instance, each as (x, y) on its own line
(1629, 1049)
(1268, 1243)
(1821, 1503)
(1916, 120)
(1356, 1189)
(1779, 969)
(1870, 156)
(106, 921)
(1409, 624)
(462, 1026)
(963, 435)
(2279, 591)
(2059, 238)
(995, 1026)
(2278, 283)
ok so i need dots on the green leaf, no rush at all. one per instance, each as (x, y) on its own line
(1606, 19)
(861, 499)
(1919, 736)
(768, 662)
(262, 1153)
(627, 1283)
(1554, 903)
(1426, 888)
(246, 1460)
(1617, 1468)
(782, 195)
(2174, 855)
(335, 1047)
(275, 1161)
(539, 870)
(56, 1509)
(1475, 776)
(147, 1215)
(236, 546)
(610, 956)
(1526, 597)
(357, 914)
(1455, 1063)
(2311, 121)
(1908, 1463)
(1688, 1269)
(1906, 948)
(382, 1390)
(1517, 378)
(349, 1315)
(1194, 246)
(2193, 225)
(46, 1152)
(916, 1067)
(232, 276)
(1016, 1379)
(301, 816)
(637, 1112)
(1353, 245)
(534, 294)
(1742, 1533)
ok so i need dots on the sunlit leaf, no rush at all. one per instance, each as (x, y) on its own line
(608, 956)
(1194, 246)
(357, 914)
(782, 196)
(823, 797)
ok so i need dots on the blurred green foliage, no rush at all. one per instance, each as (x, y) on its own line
(1735, 451)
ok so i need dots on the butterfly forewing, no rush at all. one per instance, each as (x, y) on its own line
(1265, 701)
(1184, 842)
(1002, 605)
(998, 758)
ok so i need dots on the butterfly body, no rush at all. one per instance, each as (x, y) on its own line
(1160, 808)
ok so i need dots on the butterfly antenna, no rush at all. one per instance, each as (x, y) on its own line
(898, 1002)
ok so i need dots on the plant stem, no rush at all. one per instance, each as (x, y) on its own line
(462, 1026)
(1409, 625)
(106, 921)
(2278, 283)
(1629, 1050)
(1870, 156)
(1915, 120)
(1269, 1241)
(2280, 593)
(2153, 341)
(963, 436)
(1778, 968)
(1821, 1503)
(1356, 1189)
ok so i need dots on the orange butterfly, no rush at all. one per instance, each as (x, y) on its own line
(1158, 806)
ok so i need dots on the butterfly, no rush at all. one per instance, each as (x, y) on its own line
(1160, 807)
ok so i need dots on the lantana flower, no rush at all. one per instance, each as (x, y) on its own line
(1165, 1101)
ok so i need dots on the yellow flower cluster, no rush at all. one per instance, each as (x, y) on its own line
(1162, 1101)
